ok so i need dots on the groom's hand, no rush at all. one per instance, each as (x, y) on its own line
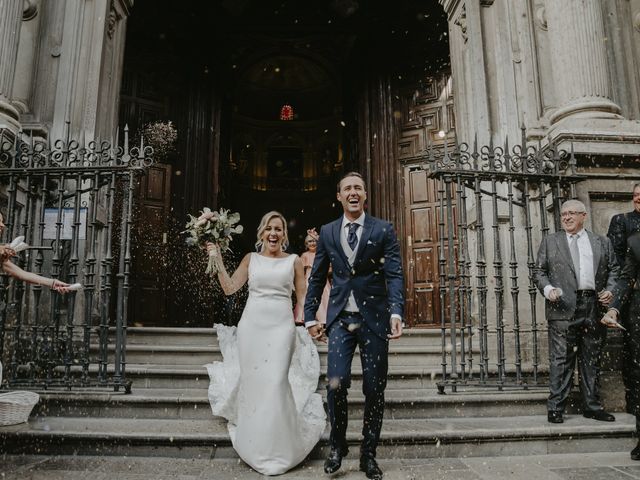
(396, 328)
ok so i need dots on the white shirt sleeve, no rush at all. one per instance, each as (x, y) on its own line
(547, 291)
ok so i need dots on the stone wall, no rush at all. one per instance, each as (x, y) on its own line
(61, 62)
(567, 71)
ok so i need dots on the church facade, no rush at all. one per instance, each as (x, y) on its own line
(271, 107)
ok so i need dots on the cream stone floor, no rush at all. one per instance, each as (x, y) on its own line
(591, 466)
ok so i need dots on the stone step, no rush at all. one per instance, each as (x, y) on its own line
(194, 404)
(195, 376)
(207, 336)
(169, 336)
(400, 438)
(427, 355)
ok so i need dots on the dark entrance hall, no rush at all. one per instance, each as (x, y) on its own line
(272, 102)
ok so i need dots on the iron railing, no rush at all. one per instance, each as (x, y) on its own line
(73, 203)
(495, 205)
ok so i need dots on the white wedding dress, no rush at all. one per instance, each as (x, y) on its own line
(265, 386)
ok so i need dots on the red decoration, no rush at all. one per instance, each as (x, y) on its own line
(286, 112)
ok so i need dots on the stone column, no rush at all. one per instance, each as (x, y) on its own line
(10, 18)
(580, 70)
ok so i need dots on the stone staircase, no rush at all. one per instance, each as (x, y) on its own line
(168, 412)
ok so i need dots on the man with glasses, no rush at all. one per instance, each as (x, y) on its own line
(575, 271)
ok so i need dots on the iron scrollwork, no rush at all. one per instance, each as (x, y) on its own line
(77, 195)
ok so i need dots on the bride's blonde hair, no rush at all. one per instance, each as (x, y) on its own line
(266, 218)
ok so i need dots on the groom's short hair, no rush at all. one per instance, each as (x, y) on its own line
(350, 174)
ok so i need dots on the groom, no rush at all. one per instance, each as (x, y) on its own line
(365, 309)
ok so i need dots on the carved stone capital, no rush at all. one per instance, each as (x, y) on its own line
(112, 21)
(124, 6)
(118, 10)
(461, 22)
(451, 6)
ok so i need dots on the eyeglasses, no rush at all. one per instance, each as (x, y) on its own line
(571, 213)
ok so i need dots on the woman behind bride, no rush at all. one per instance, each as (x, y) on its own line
(265, 386)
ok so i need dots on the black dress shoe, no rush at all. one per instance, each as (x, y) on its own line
(600, 415)
(334, 460)
(553, 416)
(635, 453)
(370, 467)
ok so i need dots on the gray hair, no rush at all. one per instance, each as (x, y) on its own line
(576, 205)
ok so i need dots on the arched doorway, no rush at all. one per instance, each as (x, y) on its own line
(272, 104)
(286, 136)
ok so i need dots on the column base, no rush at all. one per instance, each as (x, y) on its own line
(9, 117)
(586, 108)
(596, 136)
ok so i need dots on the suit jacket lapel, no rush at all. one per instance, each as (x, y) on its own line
(364, 238)
(563, 246)
(597, 251)
(336, 240)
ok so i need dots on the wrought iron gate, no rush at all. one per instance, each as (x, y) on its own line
(74, 204)
(495, 205)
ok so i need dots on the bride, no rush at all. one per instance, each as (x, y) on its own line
(265, 386)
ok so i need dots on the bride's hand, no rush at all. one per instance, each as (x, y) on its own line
(212, 247)
(6, 252)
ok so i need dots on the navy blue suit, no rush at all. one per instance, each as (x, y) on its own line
(376, 280)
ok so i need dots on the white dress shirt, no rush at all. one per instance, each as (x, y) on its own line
(587, 280)
(351, 305)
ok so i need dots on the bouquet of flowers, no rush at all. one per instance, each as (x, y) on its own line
(215, 227)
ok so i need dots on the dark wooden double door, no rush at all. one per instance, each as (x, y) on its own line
(421, 252)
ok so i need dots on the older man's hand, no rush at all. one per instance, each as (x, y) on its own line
(605, 297)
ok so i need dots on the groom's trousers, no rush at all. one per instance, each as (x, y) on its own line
(344, 334)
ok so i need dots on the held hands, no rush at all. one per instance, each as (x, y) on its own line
(317, 332)
(610, 319)
(396, 328)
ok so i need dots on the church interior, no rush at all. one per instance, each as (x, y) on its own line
(272, 102)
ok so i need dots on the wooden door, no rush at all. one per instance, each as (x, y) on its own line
(421, 248)
(150, 261)
(425, 120)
